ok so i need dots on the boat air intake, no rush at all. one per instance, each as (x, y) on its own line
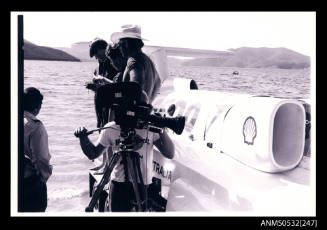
(265, 133)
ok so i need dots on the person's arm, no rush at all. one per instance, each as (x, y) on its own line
(89, 149)
(136, 75)
(165, 145)
(101, 78)
(40, 152)
(157, 85)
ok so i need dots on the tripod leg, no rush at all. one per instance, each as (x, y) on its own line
(137, 166)
(132, 172)
(103, 182)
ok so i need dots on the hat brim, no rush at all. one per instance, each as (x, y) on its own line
(115, 37)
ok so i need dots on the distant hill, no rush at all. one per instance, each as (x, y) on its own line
(80, 50)
(246, 57)
(35, 52)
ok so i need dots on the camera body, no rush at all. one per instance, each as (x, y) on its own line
(124, 98)
(132, 117)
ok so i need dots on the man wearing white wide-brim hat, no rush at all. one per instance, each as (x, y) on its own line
(140, 67)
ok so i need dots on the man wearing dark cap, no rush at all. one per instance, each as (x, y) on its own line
(103, 74)
(37, 169)
(98, 50)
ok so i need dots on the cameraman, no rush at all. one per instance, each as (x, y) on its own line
(121, 189)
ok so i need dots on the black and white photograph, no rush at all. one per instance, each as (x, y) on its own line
(144, 113)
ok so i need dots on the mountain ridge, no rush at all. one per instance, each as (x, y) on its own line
(35, 52)
(242, 57)
(263, 57)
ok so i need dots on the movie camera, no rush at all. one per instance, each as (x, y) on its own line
(125, 98)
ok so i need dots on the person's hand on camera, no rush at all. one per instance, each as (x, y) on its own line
(80, 132)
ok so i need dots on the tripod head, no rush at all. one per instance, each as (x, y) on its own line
(129, 140)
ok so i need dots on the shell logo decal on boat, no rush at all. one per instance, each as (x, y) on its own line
(249, 130)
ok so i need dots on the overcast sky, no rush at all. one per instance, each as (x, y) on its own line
(198, 30)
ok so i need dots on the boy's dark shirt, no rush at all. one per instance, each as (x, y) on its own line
(106, 70)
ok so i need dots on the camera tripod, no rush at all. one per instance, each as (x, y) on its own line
(132, 164)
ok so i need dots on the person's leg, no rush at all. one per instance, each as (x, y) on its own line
(27, 202)
(120, 197)
(34, 196)
(43, 197)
